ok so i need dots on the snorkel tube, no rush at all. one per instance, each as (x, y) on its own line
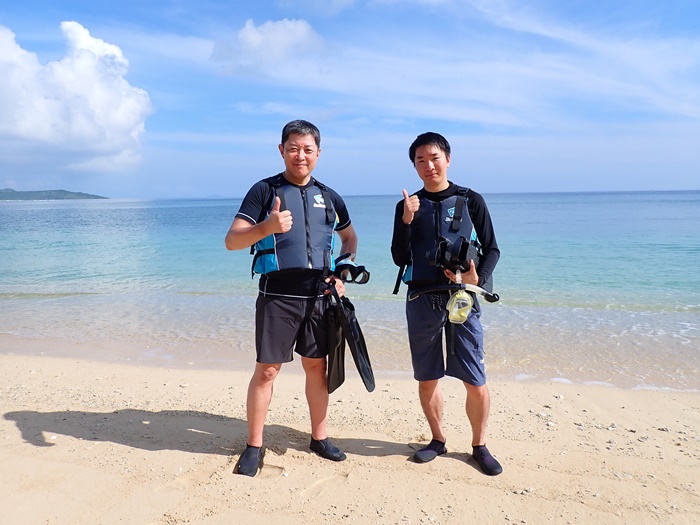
(453, 287)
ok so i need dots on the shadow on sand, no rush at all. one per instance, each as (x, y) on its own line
(184, 430)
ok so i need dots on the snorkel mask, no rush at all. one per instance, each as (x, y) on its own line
(461, 301)
(459, 306)
(347, 271)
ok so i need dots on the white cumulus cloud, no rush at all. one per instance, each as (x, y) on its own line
(79, 110)
(269, 45)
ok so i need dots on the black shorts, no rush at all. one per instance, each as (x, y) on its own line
(426, 317)
(284, 325)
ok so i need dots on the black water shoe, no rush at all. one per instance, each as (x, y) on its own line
(429, 452)
(326, 449)
(487, 463)
(251, 461)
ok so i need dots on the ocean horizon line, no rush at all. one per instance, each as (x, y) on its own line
(485, 193)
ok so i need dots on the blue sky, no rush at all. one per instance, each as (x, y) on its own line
(187, 99)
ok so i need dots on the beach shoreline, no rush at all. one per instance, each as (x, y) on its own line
(521, 357)
(87, 442)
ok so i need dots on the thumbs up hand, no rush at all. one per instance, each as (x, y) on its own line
(279, 221)
(411, 204)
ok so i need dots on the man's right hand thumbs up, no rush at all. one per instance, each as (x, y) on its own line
(411, 204)
(279, 221)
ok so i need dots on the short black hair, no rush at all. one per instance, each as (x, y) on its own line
(429, 138)
(301, 127)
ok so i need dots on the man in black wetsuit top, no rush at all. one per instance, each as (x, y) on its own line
(291, 219)
(444, 210)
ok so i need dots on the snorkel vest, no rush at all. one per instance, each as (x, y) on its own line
(448, 219)
(309, 243)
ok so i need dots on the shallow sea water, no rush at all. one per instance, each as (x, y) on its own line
(598, 288)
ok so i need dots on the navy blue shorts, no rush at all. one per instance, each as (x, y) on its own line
(284, 325)
(426, 317)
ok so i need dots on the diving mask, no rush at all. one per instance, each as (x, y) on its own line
(459, 306)
(348, 271)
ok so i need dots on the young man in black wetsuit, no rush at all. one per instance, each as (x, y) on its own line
(442, 209)
(291, 218)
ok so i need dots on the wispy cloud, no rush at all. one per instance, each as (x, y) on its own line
(575, 87)
(267, 46)
(517, 85)
(646, 72)
(325, 7)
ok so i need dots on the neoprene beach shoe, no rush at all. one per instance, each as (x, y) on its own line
(326, 449)
(487, 463)
(429, 452)
(251, 461)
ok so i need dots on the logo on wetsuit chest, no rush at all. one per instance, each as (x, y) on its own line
(450, 214)
(319, 201)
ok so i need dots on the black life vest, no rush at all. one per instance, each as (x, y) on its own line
(448, 219)
(309, 243)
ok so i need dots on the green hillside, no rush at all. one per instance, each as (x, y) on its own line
(8, 194)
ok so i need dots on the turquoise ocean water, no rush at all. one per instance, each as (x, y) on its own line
(595, 287)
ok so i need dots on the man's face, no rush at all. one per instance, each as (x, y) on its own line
(431, 165)
(300, 154)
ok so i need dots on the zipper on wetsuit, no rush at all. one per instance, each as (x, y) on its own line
(437, 221)
(308, 229)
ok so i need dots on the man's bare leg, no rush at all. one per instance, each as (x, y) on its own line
(316, 395)
(431, 400)
(478, 405)
(317, 398)
(257, 405)
(258, 402)
(432, 403)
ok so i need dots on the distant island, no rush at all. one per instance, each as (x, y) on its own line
(8, 194)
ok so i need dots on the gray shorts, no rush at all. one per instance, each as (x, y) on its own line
(426, 317)
(284, 325)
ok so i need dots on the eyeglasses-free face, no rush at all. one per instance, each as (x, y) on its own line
(431, 164)
(300, 154)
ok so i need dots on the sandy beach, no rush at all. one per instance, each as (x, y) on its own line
(101, 443)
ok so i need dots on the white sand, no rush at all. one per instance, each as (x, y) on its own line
(94, 443)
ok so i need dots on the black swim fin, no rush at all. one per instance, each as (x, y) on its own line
(352, 333)
(336, 348)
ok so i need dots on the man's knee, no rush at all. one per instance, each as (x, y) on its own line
(427, 386)
(476, 391)
(266, 373)
(314, 365)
